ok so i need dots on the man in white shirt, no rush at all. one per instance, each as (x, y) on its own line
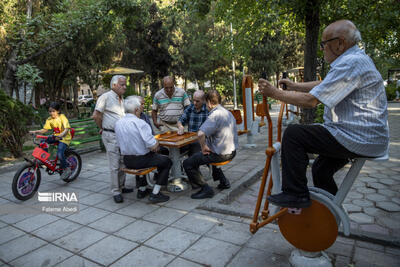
(109, 109)
(138, 147)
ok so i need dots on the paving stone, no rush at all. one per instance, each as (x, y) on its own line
(363, 203)
(111, 223)
(139, 231)
(93, 199)
(165, 216)
(137, 209)
(108, 250)
(77, 261)
(88, 215)
(185, 203)
(352, 208)
(392, 250)
(387, 192)
(361, 218)
(110, 205)
(36, 222)
(389, 222)
(255, 257)
(341, 248)
(211, 252)
(366, 190)
(8, 233)
(342, 261)
(19, 246)
(56, 230)
(144, 256)
(172, 240)
(367, 257)
(388, 181)
(196, 223)
(368, 179)
(236, 233)
(374, 212)
(80, 239)
(48, 255)
(14, 218)
(388, 206)
(374, 228)
(179, 262)
(354, 195)
(376, 186)
(376, 197)
(369, 245)
(396, 200)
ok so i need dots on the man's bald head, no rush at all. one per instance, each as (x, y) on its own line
(344, 29)
(337, 38)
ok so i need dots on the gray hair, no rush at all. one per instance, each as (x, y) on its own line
(131, 104)
(115, 78)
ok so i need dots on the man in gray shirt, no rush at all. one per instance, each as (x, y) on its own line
(218, 140)
(355, 117)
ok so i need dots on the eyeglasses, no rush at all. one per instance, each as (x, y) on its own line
(322, 43)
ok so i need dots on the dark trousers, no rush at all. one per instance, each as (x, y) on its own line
(192, 164)
(217, 173)
(151, 159)
(297, 141)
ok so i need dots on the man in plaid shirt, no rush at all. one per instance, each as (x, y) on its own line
(194, 115)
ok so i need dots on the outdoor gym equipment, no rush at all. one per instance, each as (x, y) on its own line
(312, 229)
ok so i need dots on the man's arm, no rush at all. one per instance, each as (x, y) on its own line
(202, 141)
(98, 119)
(154, 117)
(299, 87)
(300, 99)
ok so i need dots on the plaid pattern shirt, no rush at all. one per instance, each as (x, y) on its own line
(193, 118)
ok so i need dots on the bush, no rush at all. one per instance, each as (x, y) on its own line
(319, 114)
(391, 91)
(14, 119)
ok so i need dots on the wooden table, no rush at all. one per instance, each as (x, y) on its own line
(174, 141)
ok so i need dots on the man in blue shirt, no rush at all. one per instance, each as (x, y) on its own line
(355, 117)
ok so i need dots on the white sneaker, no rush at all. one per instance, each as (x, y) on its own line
(66, 173)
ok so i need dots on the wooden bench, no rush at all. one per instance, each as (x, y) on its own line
(86, 135)
(140, 172)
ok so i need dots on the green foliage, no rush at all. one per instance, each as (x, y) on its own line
(14, 118)
(319, 114)
(29, 73)
(391, 91)
(148, 101)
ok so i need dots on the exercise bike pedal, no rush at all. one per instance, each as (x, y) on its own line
(295, 211)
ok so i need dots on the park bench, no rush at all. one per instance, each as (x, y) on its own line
(86, 137)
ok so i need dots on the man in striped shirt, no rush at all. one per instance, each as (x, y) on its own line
(170, 101)
(355, 117)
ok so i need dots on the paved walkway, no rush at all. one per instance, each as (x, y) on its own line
(186, 232)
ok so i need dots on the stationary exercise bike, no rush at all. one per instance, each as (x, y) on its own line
(310, 229)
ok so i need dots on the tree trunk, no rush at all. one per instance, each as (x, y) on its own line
(310, 55)
(9, 75)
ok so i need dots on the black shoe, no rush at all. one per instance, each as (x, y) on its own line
(143, 194)
(205, 192)
(290, 201)
(118, 198)
(127, 190)
(158, 198)
(224, 185)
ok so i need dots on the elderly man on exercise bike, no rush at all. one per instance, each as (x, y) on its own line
(355, 117)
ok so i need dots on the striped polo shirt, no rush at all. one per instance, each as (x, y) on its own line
(170, 109)
(355, 104)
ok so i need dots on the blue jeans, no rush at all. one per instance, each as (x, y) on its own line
(60, 154)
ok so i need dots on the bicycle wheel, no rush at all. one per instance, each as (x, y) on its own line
(75, 163)
(26, 182)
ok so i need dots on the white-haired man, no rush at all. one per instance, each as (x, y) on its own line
(355, 117)
(138, 147)
(109, 109)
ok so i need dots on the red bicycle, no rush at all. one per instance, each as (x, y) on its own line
(27, 179)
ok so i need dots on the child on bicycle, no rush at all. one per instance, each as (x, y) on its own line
(60, 125)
